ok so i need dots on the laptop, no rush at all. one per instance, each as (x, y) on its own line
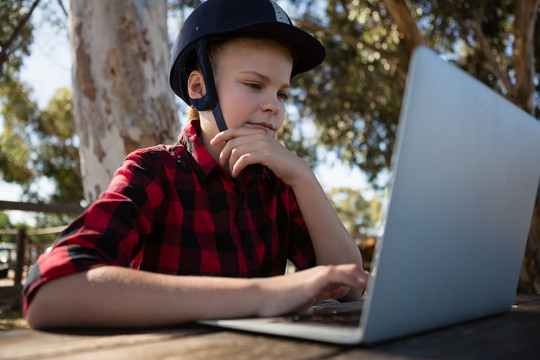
(465, 174)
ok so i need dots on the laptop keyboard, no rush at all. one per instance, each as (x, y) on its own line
(330, 313)
(349, 318)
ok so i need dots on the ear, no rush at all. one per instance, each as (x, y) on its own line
(196, 88)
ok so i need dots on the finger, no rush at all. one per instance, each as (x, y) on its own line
(359, 274)
(237, 166)
(235, 149)
(248, 150)
(347, 274)
(233, 137)
(235, 133)
(335, 293)
(244, 156)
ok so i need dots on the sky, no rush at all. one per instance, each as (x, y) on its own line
(48, 69)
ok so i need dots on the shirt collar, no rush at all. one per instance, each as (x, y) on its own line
(190, 139)
(204, 163)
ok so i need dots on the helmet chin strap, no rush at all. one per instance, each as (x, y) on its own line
(218, 115)
(210, 100)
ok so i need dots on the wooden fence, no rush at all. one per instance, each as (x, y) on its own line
(27, 254)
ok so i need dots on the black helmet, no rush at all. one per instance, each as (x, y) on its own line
(218, 17)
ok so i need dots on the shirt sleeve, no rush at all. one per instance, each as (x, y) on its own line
(111, 230)
(301, 250)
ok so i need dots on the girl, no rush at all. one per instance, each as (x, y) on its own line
(208, 224)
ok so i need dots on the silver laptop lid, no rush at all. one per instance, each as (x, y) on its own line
(466, 171)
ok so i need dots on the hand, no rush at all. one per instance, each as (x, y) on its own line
(303, 289)
(247, 146)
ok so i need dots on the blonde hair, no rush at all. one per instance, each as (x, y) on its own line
(193, 114)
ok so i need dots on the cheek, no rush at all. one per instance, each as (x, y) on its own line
(282, 114)
(281, 122)
(233, 103)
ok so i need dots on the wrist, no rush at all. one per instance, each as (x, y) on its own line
(303, 177)
(268, 302)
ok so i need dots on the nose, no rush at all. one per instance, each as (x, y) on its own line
(271, 104)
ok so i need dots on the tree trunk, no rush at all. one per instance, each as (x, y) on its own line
(530, 271)
(525, 14)
(121, 94)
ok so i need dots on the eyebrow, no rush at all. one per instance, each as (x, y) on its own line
(264, 77)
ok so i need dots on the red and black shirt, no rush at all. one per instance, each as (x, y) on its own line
(175, 210)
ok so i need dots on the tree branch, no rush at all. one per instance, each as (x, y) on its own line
(400, 13)
(63, 7)
(486, 49)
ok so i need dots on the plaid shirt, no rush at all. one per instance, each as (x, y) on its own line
(174, 210)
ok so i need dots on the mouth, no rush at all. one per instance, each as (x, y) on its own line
(262, 125)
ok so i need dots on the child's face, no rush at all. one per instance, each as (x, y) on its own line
(253, 81)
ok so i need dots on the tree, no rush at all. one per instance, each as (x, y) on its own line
(15, 39)
(58, 156)
(35, 145)
(355, 97)
(121, 95)
(513, 75)
(39, 144)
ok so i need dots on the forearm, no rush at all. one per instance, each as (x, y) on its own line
(332, 242)
(120, 297)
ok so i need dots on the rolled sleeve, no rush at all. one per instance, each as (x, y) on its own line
(109, 232)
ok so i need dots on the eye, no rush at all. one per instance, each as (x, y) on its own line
(283, 95)
(253, 85)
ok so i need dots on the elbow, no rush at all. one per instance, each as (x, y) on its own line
(46, 308)
(53, 304)
(36, 316)
(33, 319)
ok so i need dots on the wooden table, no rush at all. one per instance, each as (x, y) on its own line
(514, 335)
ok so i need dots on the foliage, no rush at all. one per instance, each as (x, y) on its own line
(14, 140)
(355, 96)
(37, 145)
(5, 224)
(362, 217)
(4, 221)
(58, 155)
(15, 34)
